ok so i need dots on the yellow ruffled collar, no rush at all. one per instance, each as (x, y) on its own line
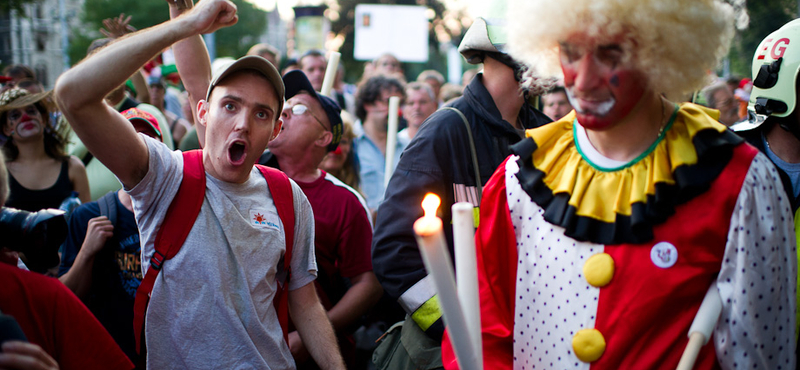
(613, 205)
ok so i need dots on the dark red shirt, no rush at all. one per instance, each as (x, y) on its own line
(342, 235)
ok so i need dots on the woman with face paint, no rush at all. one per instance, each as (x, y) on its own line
(40, 174)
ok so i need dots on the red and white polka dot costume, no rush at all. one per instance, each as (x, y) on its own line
(717, 215)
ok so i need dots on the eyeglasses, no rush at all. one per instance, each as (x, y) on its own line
(300, 109)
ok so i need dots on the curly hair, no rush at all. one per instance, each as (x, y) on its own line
(673, 42)
(55, 136)
(370, 91)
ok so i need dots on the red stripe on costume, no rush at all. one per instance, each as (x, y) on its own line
(645, 312)
(497, 260)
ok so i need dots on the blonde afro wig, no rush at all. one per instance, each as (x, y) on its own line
(674, 42)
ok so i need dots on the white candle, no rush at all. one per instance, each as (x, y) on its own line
(433, 248)
(330, 73)
(702, 327)
(391, 138)
(467, 272)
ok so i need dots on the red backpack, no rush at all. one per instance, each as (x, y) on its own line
(180, 218)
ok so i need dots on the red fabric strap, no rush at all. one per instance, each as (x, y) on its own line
(173, 232)
(281, 190)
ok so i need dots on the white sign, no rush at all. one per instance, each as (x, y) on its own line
(401, 30)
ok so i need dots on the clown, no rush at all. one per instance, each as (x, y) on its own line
(620, 216)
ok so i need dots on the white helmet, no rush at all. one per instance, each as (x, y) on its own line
(775, 68)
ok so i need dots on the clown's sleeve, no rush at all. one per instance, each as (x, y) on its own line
(497, 255)
(757, 280)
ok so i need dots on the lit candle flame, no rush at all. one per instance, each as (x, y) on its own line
(430, 204)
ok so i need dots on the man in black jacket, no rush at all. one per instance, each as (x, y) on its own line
(439, 160)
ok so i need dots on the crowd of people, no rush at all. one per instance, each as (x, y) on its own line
(233, 216)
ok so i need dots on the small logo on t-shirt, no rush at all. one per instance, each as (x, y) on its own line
(262, 218)
(664, 255)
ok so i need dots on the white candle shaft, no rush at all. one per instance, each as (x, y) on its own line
(437, 261)
(702, 327)
(330, 73)
(467, 272)
(708, 314)
(391, 138)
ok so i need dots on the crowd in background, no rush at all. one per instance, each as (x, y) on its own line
(100, 261)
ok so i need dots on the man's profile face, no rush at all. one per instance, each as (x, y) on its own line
(301, 130)
(418, 107)
(314, 68)
(601, 85)
(240, 119)
(379, 109)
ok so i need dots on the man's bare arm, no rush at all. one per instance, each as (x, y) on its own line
(362, 295)
(80, 91)
(314, 328)
(194, 66)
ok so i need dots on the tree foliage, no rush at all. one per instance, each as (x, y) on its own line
(766, 16)
(231, 41)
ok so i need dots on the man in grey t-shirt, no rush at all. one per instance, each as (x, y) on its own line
(211, 305)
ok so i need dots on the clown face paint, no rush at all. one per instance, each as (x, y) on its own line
(24, 122)
(602, 88)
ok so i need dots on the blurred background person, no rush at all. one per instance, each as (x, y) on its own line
(268, 52)
(15, 73)
(290, 65)
(450, 92)
(313, 64)
(41, 174)
(435, 79)
(468, 75)
(718, 96)
(372, 109)
(555, 103)
(420, 104)
(177, 125)
(387, 64)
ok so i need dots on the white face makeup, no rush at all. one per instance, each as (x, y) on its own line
(24, 122)
(599, 109)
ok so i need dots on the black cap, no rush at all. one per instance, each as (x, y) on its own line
(296, 81)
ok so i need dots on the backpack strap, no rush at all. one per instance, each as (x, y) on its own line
(108, 206)
(178, 221)
(281, 190)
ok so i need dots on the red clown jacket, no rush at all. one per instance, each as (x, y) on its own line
(613, 259)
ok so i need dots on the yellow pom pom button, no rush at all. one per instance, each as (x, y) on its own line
(588, 344)
(599, 269)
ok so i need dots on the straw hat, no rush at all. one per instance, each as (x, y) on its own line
(15, 98)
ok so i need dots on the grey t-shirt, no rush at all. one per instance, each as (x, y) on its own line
(211, 305)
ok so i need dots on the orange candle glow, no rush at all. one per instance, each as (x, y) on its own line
(429, 224)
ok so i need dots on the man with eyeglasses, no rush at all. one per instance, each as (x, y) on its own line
(312, 127)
